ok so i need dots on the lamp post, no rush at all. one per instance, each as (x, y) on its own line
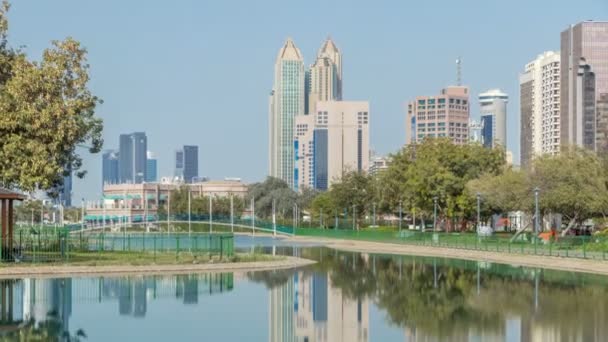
(434, 214)
(374, 215)
(400, 214)
(274, 219)
(189, 212)
(231, 213)
(536, 213)
(478, 211)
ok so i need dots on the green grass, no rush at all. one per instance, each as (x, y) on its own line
(140, 258)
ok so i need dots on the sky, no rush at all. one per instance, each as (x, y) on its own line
(199, 71)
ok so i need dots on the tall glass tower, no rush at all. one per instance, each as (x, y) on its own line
(286, 103)
(493, 118)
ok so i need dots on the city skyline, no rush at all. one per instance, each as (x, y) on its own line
(386, 82)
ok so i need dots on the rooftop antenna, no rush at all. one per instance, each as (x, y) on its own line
(458, 71)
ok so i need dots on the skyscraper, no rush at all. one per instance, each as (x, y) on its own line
(540, 107)
(330, 142)
(586, 40)
(132, 157)
(324, 81)
(443, 115)
(151, 167)
(110, 168)
(494, 118)
(601, 138)
(286, 103)
(186, 163)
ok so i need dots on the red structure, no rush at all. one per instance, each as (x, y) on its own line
(7, 220)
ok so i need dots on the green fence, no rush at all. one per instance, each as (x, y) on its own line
(587, 247)
(56, 245)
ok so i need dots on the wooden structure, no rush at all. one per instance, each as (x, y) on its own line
(7, 197)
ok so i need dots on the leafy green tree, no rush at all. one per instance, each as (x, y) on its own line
(437, 168)
(572, 184)
(273, 189)
(509, 191)
(47, 111)
(355, 191)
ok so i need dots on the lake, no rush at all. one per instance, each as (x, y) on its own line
(344, 297)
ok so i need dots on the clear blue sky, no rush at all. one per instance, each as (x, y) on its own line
(199, 72)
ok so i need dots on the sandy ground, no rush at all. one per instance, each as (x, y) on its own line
(71, 271)
(558, 263)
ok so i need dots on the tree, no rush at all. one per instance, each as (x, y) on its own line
(572, 184)
(509, 191)
(47, 111)
(438, 168)
(355, 190)
(272, 189)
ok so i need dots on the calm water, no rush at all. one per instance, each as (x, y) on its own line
(345, 297)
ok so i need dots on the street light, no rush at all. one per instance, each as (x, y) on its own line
(434, 214)
(536, 214)
(400, 214)
(478, 211)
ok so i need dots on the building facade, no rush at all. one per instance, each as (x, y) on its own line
(493, 118)
(285, 104)
(186, 163)
(151, 167)
(586, 40)
(443, 115)
(601, 137)
(324, 81)
(540, 123)
(110, 170)
(132, 157)
(330, 142)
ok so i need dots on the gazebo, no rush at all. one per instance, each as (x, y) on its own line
(6, 218)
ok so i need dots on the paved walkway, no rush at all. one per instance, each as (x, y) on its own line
(70, 271)
(558, 263)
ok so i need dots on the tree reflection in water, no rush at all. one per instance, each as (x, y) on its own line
(452, 299)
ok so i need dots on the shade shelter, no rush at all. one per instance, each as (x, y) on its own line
(7, 197)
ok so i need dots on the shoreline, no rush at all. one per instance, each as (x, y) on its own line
(548, 262)
(36, 271)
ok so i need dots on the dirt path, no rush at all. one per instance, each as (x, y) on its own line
(558, 263)
(72, 271)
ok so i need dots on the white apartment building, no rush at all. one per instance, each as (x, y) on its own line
(540, 107)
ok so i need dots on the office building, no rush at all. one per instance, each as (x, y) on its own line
(475, 131)
(285, 104)
(493, 118)
(151, 167)
(540, 126)
(324, 79)
(443, 115)
(330, 142)
(601, 138)
(378, 164)
(584, 51)
(186, 163)
(110, 167)
(132, 157)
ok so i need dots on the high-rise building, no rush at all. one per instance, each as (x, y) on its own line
(601, 138)
(584, 51)
(110, 168)
(186, 163)
(132, 157)
(330, 142)
(443, 115)
(151, 167)
(540, 130)
(324, 79)
(286, 103)
(475, 131)
(493, 118)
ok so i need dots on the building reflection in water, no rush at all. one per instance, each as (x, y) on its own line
(309, 308)
(432, 299)
(43, 307)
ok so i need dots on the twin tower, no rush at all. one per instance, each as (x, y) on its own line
(305, 109)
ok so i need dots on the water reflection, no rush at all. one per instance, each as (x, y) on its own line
(344, 297)
(433, 300)
(41, 308)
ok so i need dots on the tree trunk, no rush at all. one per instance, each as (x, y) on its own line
(570, 225)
